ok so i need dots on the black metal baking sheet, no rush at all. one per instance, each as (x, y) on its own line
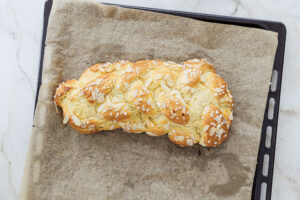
(262, 185)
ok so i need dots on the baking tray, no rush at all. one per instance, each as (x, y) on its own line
(262, 184)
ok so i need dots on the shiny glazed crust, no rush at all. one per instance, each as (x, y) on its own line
(187, 101)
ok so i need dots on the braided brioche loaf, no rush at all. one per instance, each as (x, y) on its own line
(188, 101)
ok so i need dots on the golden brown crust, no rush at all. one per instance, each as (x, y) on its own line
(142, 100)
(84, 127)
(184, 136)
(96, 89)
(214, 130)
(192, 71)
(62, 89)
(175, 110)
(111, 114)
(216, 84)
(156, 129)
(188, 101)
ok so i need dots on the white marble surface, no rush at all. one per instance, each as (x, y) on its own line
(20, 36)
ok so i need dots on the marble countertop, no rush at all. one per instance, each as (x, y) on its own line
(20, 37)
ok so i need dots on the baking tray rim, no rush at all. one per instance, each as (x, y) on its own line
(275, 26)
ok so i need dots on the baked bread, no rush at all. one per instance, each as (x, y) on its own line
(188, 101)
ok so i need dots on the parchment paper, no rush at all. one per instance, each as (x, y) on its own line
(63, 164)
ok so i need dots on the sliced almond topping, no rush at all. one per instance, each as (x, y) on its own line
(66, 119)
(76, 121)
(212, 131)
